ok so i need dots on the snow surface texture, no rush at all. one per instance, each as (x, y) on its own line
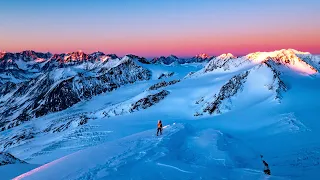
(220, 114)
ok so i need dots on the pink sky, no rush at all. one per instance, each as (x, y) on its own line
(161, 28)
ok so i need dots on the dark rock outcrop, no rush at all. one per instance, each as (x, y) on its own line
(163, 84)
(233, 86)
(149, 101)
(167, 60)
(199, 58)
(140, 59)
(172, 59)
(144, 103)
(7, 87)
(7, 158)
(166, 75)
(277, 84)
(224, 63)
(24, 55)
(66, 123)
(43, 95)
(313, 60)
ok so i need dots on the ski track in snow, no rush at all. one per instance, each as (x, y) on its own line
(173, 167)
(127, 149)
(137, 150)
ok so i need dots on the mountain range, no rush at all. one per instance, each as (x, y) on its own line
(95, 114)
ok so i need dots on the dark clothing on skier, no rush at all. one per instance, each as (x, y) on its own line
(159, 128)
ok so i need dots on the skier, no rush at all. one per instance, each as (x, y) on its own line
(159, 127)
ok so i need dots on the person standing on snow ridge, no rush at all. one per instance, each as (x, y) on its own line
(159, 127)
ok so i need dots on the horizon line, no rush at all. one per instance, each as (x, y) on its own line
(154, 56)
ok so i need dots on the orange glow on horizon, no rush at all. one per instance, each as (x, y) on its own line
(183, 45)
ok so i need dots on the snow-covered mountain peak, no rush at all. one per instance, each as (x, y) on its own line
(2, 53)
(27, 55)
(281, 54)
(79, 56)
(105, 58)
(296, 51)
(226, 56)
(125, 58)
(97, 54)
(173, 56)
(76, 56)
(287, 57)
(202, 56)
(165, 60)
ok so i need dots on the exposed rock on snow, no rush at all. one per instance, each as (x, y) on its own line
(7, 158)
(200, 58)
(225, 62)
(7, 87)
(42, 95)
(149, 101)
(163, 84)
(313, 60)
(24, 55)
(25, 135)
(200, 100)
(166, 75)
(232, 87)
(65, 123)
(269, 81)
(140, 59)
(189, 74)
(172, 59)
(167, 60)
(129, 107)
(278, 85)
(78, 57)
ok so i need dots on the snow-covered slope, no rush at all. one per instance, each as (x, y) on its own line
(313, 60)
(260, 82)
(62, 88)
(176, 155)
(232, 118)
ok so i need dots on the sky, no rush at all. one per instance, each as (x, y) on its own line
(160, 27)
